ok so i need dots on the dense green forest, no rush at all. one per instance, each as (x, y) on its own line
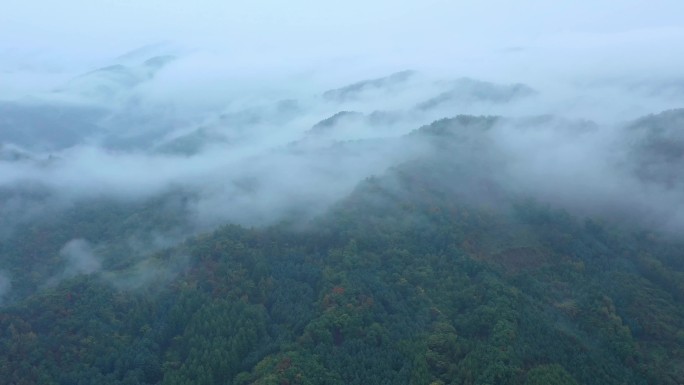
(427, 274)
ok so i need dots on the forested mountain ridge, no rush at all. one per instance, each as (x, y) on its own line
(299, 193)
(435, 272)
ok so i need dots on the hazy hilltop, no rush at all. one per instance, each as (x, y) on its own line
(438, 269)
(375, 193)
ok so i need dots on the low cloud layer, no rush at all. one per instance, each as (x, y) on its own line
(262, 157)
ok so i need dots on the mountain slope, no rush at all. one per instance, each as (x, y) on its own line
(429, 273)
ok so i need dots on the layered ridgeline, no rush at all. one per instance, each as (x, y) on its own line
(472, 250)
(103, 162)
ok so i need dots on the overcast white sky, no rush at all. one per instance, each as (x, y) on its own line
(483, 35)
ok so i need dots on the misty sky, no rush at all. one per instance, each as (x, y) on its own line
(491, 35)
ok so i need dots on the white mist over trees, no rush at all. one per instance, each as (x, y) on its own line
(122, 136)
(441, 192)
